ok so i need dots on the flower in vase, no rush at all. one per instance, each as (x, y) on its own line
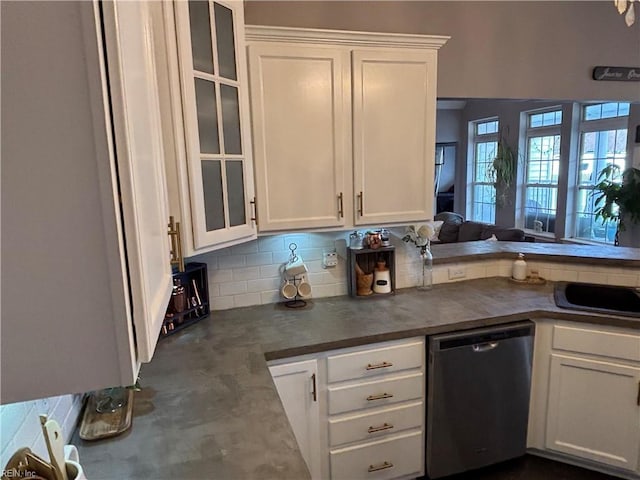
(421, 235)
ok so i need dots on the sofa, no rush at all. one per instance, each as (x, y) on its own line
(456, 229)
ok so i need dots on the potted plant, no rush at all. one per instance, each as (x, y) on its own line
(616, 200)
(503, 171)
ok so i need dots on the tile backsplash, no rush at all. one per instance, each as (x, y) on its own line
(20, 423)
(249, 274)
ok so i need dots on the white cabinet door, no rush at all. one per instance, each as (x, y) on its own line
(210, 42)
(297, 386)
(593, 411)
(394, 95)
(300, 113)
(139, 154)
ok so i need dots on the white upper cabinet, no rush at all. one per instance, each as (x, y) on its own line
(394, 117)
(344, 127)
(300, 114)
(213, 94)
(139, 152)
(84, 244)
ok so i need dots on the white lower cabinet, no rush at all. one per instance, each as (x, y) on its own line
(585, 403)
(593, 411)
(297, 386)
(368, 421)
(391, 457)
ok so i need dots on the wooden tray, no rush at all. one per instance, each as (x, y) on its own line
(529, 281)
(96, 426)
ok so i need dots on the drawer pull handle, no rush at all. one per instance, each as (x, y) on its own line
(379, 397)
(379, 365)
(386, 426)
(382, 466)
(638, 399)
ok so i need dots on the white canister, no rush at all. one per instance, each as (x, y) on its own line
(519, 270)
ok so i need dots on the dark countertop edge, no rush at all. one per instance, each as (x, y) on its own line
(572, 259)
(569, 315)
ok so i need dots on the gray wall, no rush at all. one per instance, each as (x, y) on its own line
(500, 49)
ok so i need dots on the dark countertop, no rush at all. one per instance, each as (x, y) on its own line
(209, 408)
(606, 255)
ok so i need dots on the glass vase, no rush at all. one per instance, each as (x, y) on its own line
(425, 280)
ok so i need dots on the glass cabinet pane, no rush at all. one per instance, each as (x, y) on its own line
(207, 116)
(230, 119)
(201, 50)
(235, 192)
(213, 198)
(225, 41)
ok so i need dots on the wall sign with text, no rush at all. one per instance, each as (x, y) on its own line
(617, 74)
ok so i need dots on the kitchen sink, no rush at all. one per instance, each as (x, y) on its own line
(624, 301)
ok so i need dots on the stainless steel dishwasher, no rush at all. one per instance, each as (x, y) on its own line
(478, 397)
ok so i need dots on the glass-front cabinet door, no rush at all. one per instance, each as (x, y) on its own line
(215, 108)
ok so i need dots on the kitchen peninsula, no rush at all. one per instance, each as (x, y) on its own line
(209, 404)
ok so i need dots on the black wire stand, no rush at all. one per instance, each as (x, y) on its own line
(296, 301)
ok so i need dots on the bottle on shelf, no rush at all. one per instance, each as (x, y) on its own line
(178, 296)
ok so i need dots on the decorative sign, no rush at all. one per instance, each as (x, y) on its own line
(617, 74)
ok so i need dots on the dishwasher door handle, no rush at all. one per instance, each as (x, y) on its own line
(484, 347)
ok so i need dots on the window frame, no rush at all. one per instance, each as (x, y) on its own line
(590, 126)
(472, 167)
(528, 133)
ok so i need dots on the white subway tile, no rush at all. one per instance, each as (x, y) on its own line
(214, 289)
(270, 296)
(11, 418)
(592, 277)
(233, 288)
(246, 273)
(246, 299)
(244, 248)
(9, 448)
(322, 278)
(273, 243)
(222, 303)
(493, 269)
(621, 279)
(341, 289)
(300, 239)
(232, 261)
(263, 284)
(263, 258)
(39, 447)
(309, 254)
(29, 430)
(272, 270)
(220, 276)
(322, 240)
(321, 291)
(280, 257)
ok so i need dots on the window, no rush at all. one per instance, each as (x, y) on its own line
(603, 141)
(482, 192)
(540, 204)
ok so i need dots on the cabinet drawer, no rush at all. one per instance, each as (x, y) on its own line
(390, 457)
(374, 361)
(372, 425)
(597, 342)
(376, 393)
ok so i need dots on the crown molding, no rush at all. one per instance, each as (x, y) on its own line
(350, 38)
